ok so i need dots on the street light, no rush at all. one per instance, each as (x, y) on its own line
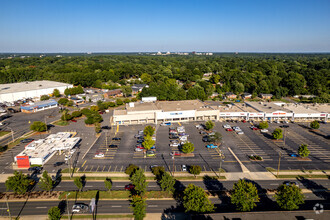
(173, 166)
(12, 133)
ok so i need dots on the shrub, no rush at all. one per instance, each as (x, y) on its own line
(188, 148)
(263, 125)
(44, 97)
(112, 104)
(76, 114)
(130, 170)
(66, 117)
(315, 125)
(86, 112)
(56, 93)
(89, 121)
(38, 126)
(158, 171)
(63, 101)
(119, 102)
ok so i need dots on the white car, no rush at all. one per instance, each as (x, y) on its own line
(174, 144)
(263, 130)
(67, 157)
(99, 155)
(183, 138)
(184, 167)
(226, 126)
(240, 132)
(138, 149)
(80, 208)
(153, 138)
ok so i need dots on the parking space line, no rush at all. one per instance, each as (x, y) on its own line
(85, 167)
(204, 167)
(115, 169)
(91, 168)
(103, 168)
(84, 163)
(121, 168)
(97, 168)
(109, 168)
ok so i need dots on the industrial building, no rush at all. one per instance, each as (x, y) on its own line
(39, 106)
(38, 152)
(34, 89)
(196, 110)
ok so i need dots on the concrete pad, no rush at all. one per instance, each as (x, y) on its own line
(250, 175)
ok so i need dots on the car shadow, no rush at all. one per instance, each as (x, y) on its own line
(265, 203)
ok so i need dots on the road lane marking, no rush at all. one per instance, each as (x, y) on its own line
(88, 186)
(116, 206)
(151, 206)
(179, 123)
(152, 186)
(43, 207)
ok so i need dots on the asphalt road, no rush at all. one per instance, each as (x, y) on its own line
(123, 206)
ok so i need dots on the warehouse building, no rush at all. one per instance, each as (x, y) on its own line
(40, 151)
(25, 90)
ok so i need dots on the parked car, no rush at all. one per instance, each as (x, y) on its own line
(113, 146)
(138, 149)
(254, 128)
(38, 169)
(240, 132)
(174, 137)
(175, 153)
(151, 153)
(138, 135)
(289, 183)
(116, 139)
(183, 138)
(263, 130)
(165, 123)
(284, 126)
(99, 154)
(27, 140)
(244, 121)
(139, 146)
(139, 141)
(174, 144)
(58, 164)
(80, 208)
(184, 167)
(129, 186)
(206, 139)
(106, 127)
(68, 157)
(293, 155)
(211, 146)
(203, 133)
(229, 129)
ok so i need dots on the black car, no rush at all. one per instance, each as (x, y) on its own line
(27, 140)
(106, 127)
(58, 164)
(37, 169)
(116, 139)
(139, 141)
(284, 126)
(174, 137)
(113, 146)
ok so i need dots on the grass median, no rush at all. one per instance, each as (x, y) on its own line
(118, 194)
(303, 176)
(100, 178)
(98, 216)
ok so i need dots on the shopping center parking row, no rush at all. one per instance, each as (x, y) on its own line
(251, 142)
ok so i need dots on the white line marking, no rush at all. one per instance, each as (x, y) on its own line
(152, 206)
(44, 207)
(116, 206)
(274, 184)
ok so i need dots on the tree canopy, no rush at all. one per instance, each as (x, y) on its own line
(188, 148)
(38, 126)
(244, 195)
(19, 182)
(196, 200)
(303, 150)
(278, 133)
(315, 125)
(289, 197)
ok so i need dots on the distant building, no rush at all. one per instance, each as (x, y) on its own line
(246, 95)
(230, 95)
(39, 106)
(92, 97)
(113, 93)
(12, 92)
(266, 96)
(136, 88)
(215, 94)
(149, 99)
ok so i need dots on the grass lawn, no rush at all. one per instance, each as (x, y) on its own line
(61, 123)
(304, 176)
(118, 194)
(2, 133)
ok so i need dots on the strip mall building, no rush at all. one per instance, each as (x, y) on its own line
(196, 110)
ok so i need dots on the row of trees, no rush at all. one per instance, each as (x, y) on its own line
(279, 74)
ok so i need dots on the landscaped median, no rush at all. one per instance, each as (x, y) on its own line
(117, 194)
(298, 174)
(102, 178)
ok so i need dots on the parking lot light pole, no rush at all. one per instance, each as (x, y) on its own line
(279, 162)
(12, 134)
(173, 166)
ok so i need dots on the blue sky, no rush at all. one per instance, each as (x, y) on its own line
(155, 25)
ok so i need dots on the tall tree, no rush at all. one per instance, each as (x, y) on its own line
(54, 213)
(209, 125)
(289, 197)
(46, 183)
(303, 150)
(196, 200)
(188, 147)
(138, 205)
(149, 130)
(139, 181)
(148, 142)
(167, 182)
(244, 195)
(19, 182)
(78, 181)
(108, 184)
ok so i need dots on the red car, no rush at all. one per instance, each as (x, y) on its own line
(140, 147)
(255, 128)
(74, 120)
(175, 153)
(229, 129)
(244, 121)
(129, 186)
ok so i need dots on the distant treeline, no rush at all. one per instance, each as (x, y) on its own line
(180, 77)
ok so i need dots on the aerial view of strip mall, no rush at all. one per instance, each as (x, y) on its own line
(170, 110)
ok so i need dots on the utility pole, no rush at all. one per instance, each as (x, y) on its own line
(8, 210)
(279, 162)
(46, 124)
(173, 166)
(67, 205)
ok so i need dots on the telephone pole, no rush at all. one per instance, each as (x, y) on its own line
(8, 210)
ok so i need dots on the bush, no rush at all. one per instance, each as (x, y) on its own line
(278, 134)
(66, 117)
(126, 100)
(119, 102)
(44, 97)
(89, 121)
(303, 150)
(209, 125)
(112, 104)
(315, 125)
(76, 114)
(130, 170)
(158, 171)
(195, 170)
(56, 93)
(86, 112)
(94, 108)
(54, 213)
(263, 125)
(134, 100)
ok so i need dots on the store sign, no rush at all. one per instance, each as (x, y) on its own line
(175, 114)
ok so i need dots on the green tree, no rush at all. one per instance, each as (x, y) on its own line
(63, 101)
(215, 138)
(148, 142)
(195, 170)
(263, 125)
(67, 92)
(56, 93)
(54, 213)
(244, 195)
(76, 114)
(127, 90)
(303, 150)
(278, 133)
(97, 127)
(78, 181)
(145, 77)
(66, 117)
(188, 147)
(315, 125)
(139, 181)
(46, 183)
(196, 200)
(38, 126)
(119, 102)
(149, 130)
(108, 184)
(139, 205)
(19, 183)
(289, 197)
(158, 171)
(130, 169)
(209, 125)
(44, 97)
(89, 121)
(167, 182)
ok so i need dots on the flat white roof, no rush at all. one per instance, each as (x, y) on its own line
(30, 85)
(43, 147)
